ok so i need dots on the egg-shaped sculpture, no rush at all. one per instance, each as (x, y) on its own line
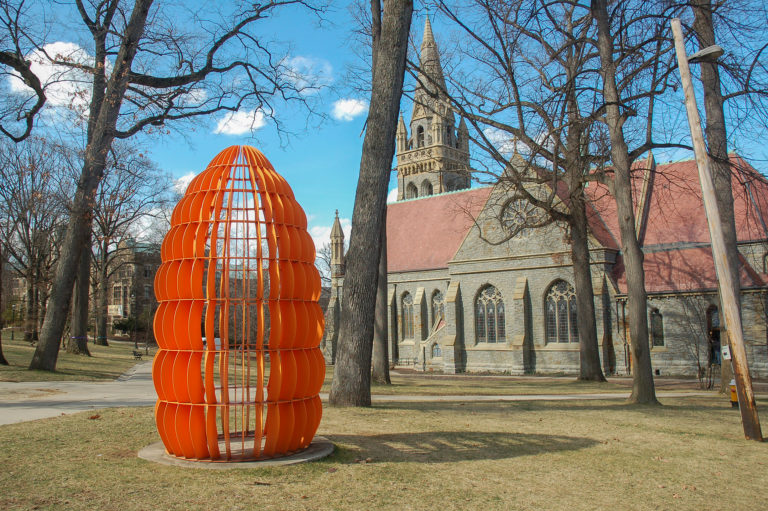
(238, 370)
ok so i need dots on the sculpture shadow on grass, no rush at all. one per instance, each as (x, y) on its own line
(452, 446)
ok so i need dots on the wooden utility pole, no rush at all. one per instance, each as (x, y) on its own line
(749, 418)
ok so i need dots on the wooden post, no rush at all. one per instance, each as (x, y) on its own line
(749, 418)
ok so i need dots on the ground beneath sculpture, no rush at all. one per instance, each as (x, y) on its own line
(318, 449)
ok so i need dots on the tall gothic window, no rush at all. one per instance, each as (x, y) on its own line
(490, 323)
(411, 192)
(560, 312)
(657, 328)
(426, 188)
(407, 316)
(438, 307)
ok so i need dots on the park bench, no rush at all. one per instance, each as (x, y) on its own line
(137, 355)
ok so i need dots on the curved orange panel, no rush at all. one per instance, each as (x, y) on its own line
(299, 424)
(237, 230)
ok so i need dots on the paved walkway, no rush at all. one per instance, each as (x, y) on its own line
(27, 401)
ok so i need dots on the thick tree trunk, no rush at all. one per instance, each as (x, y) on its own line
(643, 390)
(3, 361)
(105, 108)
(585, 300)
(380, 372)
(102, 301)
(78, 342)
(717, 141)
(351, 381)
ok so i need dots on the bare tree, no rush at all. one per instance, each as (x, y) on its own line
(131, 191)
(524, 80)
(31, 219)
(17, 113)
(643, 390)
(323, 264)
(3, 360)
(154, 65)
(391, 22)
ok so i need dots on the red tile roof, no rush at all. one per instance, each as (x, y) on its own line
(424, 234)
(687, 269)
(676, 220)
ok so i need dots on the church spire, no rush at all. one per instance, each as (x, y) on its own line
(431, 80)
(337, 248)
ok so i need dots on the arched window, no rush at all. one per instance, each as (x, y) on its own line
(407, 305)
(436, 351)
(426, 188)
(420, 136)
(490, 323)
(657, 328)
(411, 192)
(765, 263)
(438, 307)
(560, 311)
(448, 133)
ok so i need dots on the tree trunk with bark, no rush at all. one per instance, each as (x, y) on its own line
(104, 110)
(643, 390)
(78, 342)
(351, 384)
(3, 361)
(102, 298)
(380, 372)
(589, 359)
(717, 141)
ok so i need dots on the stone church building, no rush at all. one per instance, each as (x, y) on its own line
(457, 303)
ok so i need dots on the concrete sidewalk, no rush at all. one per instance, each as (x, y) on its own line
(27, 401)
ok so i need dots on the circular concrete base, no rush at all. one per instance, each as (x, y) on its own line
(319, 448)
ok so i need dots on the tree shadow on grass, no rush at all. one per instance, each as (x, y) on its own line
(452, 446)
(552, 406)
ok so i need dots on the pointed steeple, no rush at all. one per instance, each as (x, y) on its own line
(337, 248)
(431, 79)
(336, 231)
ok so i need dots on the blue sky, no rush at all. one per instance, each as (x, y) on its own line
(320, 163)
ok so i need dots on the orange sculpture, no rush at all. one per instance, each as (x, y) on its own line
(238, 370)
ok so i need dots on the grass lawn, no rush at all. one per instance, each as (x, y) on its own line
(105, 362)
(576, 455)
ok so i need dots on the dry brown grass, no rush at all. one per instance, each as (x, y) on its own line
(106, 363)
(580, 455)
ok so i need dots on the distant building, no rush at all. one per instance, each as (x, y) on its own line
(131, 286)
(459, 303)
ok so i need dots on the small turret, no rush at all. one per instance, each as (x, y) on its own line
(402, 136)
(463, 137)
(337, 248)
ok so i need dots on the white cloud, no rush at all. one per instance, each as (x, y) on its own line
(308, 74)
(392, 196)
(501, 140)
(180, 185)
(347, 109)
(65, 87)
(241, 122)
(321, 234)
